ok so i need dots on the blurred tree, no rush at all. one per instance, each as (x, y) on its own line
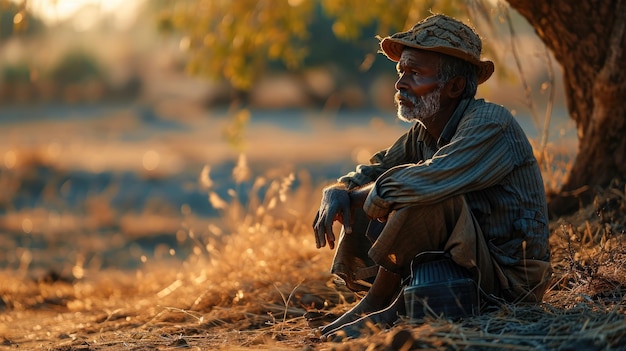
(234, 39)
(237, 39)
(17, 73)
(16, 19)
(76, 67)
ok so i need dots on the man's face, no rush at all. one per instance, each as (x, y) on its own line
(419, 90)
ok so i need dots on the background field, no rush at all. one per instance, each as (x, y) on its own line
(129, 227)
(145, 209)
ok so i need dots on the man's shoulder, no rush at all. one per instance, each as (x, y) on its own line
(483, 106)
(488, 111)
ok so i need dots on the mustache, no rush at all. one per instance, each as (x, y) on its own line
(405, 95)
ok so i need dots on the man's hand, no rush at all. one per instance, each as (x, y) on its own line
(335, 206)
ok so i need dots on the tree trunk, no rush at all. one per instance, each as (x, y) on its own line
(588, 39)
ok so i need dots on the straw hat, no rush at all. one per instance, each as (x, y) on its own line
(443, 34)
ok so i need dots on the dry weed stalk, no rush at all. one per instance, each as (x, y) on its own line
(571, 314)
(263, 263)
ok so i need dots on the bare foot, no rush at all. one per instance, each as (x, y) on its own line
(369, 323)
(386, 289)
(361, 309)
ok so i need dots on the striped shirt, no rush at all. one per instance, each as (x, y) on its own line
(482, 154)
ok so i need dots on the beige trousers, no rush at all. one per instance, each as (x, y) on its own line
(447, 227)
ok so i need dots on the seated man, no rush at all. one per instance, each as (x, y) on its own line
(463, 180)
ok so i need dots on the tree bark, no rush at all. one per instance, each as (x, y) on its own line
(587, 38)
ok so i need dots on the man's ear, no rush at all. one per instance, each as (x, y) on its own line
(455, 87)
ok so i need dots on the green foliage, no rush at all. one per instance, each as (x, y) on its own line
(15, 19)
(76, 67)
(17, 73)
(234, 39)
(352, 15)
(238, 40)
(234, 133)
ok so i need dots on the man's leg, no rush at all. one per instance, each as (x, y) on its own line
(385, 288)
(351, 262)
(410, 231)
(387, 284)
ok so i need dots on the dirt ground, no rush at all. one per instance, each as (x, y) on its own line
(251, 290)
(87, 267)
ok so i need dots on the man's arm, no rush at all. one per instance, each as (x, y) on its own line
(350, 192)
(400, 152)
(478, 157)
(338, 204)
(358, 195)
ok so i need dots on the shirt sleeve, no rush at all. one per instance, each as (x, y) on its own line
(478, 156)
(401, 152)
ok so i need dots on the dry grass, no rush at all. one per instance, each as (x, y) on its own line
(252, 276)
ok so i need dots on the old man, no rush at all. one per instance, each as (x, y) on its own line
(462, 181)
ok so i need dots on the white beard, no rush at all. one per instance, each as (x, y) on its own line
(424, 107)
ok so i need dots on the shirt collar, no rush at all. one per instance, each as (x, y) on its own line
(450, 128)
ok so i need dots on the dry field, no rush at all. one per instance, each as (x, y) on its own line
(244, 280)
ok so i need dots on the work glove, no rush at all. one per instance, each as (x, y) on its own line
(335, 206)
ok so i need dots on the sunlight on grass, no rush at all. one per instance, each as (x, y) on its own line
(247, 277)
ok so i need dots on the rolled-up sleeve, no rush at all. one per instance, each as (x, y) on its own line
(375, 206)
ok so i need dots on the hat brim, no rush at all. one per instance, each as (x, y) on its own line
(392, 48)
